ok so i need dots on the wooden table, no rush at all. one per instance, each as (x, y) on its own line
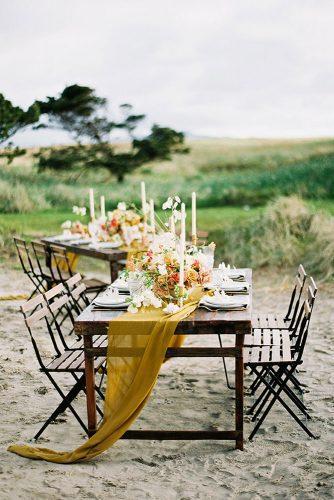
(200, 322)
(111, 255)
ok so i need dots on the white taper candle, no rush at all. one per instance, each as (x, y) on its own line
(143, 197)
(91, 204)
(152, 215)
(193, 218)
(182, 245)
(103, 207)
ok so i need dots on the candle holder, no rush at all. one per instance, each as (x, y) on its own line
(194, 240)
(181, 295)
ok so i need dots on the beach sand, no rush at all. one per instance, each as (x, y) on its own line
(281, 462)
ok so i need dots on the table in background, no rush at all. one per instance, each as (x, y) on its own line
(111, 255)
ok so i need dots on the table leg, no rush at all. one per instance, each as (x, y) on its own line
(113, 271)
(239, 392)
(90, 386)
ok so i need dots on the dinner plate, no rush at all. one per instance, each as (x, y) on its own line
(106, 244)
(108, 300)
(224, 303)
(65, 237)
(121, 285)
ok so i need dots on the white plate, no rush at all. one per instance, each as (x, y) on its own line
(65, 237)
(224, 303)
(121, 285)
(107, 300)
(106, 244)
(235, 287)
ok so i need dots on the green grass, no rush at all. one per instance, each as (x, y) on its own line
(223, 172)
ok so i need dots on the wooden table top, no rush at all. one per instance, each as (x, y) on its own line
(109, 254)
(200, 321)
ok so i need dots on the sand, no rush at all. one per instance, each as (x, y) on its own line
(281, 462)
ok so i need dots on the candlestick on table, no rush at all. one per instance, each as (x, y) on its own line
(152, 216)
(172, 224)
(193, 219)
(103, 207)
(91, 205)
(144, 209)
(182, 251)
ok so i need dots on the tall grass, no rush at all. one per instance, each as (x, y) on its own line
(287, 233)
(312, 178)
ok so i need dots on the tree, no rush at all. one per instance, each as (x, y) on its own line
(12, 120)
(81, 113)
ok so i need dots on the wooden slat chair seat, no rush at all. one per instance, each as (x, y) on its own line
(270, 321)
(43, 309)
(276, 351)
(263, 337)
(274, 364)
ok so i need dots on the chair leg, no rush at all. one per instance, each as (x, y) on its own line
(276, 396)
(66, 403)
(225, 369)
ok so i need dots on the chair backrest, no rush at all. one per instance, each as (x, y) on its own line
(77, 291)
(296, 295)
(59, 258)
(303, 328)
(42, 258)
(23, 255)
(34, 310)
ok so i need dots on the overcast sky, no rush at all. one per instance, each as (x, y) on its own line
(232, 68)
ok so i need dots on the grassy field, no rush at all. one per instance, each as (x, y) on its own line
(223, 172)
(235, 180)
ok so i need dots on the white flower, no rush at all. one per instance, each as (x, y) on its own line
(156, 302)
(132, 309)
(168, 203)
(66, 225)
(162, 270)
(121, 205)
(79, 210)
(171, 308)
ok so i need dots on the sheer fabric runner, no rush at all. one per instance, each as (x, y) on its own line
(137, 346)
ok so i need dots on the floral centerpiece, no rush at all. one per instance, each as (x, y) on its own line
(157, 273)
(76, 227)
(122, 225)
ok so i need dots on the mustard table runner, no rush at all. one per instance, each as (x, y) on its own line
(137, 346)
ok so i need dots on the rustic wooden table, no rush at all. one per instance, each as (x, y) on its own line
(201, 322)
(113, 256)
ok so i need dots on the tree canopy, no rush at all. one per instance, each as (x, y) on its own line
(12, 120)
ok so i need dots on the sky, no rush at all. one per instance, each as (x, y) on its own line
(212, 68)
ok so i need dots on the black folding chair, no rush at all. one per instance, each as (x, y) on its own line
(59, 257)
(275, 367)
(262, 337)
(284, 321)
(64, 359)
(29, 267)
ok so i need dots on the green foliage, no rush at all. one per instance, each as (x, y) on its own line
(286, 233)
(12, 120)
(76, 111)
(81, 113)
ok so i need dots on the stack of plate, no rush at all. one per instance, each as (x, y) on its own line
(223, 303)
(112, 301)
(105, 244)
(230, 287)
(121, 285)
(65, 237)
